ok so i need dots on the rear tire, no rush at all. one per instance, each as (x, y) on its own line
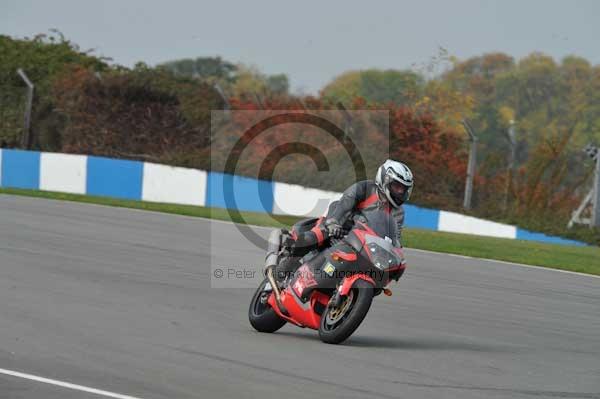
(335, 332)
(261, 315)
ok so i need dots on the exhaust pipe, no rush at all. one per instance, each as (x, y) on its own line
(271, 261)
(274, 244)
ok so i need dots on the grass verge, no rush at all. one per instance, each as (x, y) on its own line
(564, 257)
(259, 219)
(572, 258)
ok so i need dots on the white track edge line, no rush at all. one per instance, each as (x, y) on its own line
(506, 262)
(67, 385)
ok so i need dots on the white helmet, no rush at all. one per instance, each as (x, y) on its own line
(395, 180)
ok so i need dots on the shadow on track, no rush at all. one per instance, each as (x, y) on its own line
(410, 343)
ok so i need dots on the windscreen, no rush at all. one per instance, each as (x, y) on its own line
(382, 223)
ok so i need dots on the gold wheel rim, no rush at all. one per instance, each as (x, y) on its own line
(336, 313)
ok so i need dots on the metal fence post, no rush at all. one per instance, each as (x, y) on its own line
(471, 166)
(593, 197)
(26, 139)
(512, 140)
(595, 220)
(219, 90)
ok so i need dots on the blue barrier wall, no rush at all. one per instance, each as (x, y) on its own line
(246, 194)
(532, 236)
(125, 179)
(20, 169)
(114, 178)
(421, 218)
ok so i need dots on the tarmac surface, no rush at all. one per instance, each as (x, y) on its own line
(126, 302)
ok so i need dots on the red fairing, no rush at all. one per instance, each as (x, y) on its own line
(362, 232)
(348, 281)
(396, 268)
(350, 257)
(273, 302)
(367, 229)
(303, 314)
(402, 265)
(305, 279)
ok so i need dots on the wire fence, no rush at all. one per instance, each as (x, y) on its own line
(12, 111)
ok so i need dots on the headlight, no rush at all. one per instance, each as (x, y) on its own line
(382, 258)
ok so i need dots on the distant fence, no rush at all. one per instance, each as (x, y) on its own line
(116, 178)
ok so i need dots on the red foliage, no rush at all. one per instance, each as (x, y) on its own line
(437, 158)
(119, 116)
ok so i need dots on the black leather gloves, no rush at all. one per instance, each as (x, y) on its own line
(334, 228)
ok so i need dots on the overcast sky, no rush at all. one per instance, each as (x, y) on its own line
(312, 41)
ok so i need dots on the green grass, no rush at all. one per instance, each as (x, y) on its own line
(565, 257)
(579, 259)
(255, 218)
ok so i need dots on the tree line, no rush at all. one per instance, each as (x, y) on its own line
(86, 104)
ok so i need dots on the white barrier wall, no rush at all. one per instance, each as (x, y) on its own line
(135, 180)
(162, 183)
(291, 199)
(457, 223)
(64, 173)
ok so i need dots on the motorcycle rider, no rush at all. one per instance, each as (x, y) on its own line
(391, 188)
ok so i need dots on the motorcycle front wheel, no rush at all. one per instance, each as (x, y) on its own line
(338, 323)
(261, 315)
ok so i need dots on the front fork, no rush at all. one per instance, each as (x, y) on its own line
(346, 285)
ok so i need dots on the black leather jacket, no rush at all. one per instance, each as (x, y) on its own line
(363, 195)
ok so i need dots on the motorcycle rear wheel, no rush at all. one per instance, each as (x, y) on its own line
(261, 315)
(338, 323)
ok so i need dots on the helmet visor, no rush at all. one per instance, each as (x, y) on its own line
(397, 188)
(398, 191)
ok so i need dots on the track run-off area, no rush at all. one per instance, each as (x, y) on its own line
(109, 302)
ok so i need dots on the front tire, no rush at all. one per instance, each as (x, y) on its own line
(338, 323)
(261, 315)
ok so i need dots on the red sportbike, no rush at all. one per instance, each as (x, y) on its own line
(332, 292)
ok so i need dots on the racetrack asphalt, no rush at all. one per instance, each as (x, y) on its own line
(123, 301)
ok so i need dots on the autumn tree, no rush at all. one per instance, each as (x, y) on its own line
(375, 86)
(236, 79)
(210, 69)
(42, 58)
